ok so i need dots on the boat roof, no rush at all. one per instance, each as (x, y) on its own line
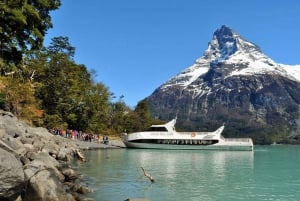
(169, 125)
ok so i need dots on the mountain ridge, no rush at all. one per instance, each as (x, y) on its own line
(257, 58)
(236, 80)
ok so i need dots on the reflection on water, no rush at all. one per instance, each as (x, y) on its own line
(179, 175)
(175, 163)
(268, 173)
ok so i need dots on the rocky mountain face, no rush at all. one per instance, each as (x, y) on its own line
(234, 83)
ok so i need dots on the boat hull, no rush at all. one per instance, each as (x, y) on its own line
(231, 147)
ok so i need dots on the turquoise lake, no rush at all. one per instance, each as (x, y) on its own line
(267, 173)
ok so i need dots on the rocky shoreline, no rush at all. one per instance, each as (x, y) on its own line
(34, 164)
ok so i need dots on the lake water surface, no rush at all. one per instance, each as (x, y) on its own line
(267, 173)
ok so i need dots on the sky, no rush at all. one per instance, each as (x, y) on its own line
(137, 45)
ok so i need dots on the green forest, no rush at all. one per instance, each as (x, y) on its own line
(45, 87)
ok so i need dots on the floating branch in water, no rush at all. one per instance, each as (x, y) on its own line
(148, 175)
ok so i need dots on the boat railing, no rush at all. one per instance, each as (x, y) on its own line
(237, 139)
(197, 133)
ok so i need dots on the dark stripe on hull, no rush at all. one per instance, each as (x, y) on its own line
(188, 147)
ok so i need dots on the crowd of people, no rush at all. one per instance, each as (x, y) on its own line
(79, 135)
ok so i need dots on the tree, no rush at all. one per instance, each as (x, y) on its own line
(143, 112)
(64, 88)
(96, 109)
(118, 115)
(23, 25)
(139, 119)
(62, 83)
(61, 45)
(17, 96)
(68, 95)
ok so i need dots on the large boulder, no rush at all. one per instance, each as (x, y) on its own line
(11, 176)
(44, 185)
(42, 162)
(15, 144)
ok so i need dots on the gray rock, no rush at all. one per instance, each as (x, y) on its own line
(15, 144)
(63, 154)
(51, 149)
(36, 173)
(30, 170)
(2, 133)
(26, 139)
(70, 174)
(7, 148)
(28, 147)
(11, 177)
(42, 161)
(38, 144)
(24, 160)
(45, 185)
(79, 188)
(46, 159)
(30, 155)
(5, 113)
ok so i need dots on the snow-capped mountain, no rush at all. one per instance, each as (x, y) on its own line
(234, 81)
(230, 48)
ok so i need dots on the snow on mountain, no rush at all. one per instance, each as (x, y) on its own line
(293, 72)
(189, 75)
(236, 83)
(243, 57)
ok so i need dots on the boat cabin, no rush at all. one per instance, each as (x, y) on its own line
(170, 126)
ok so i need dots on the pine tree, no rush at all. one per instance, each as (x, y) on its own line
(23, 25)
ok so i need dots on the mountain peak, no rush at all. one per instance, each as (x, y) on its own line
(226, 42)
(224, 30)
(228, 54)
(224, 35)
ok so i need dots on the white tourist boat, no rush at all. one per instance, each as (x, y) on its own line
(165, 136)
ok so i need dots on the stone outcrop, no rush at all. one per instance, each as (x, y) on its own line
(33, 163)
(11, 176)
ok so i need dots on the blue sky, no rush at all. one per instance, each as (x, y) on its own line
(137, 45)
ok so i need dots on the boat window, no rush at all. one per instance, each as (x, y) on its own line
(157, 129)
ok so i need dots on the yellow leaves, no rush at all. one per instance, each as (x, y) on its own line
(20, 99)
(3, 84)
